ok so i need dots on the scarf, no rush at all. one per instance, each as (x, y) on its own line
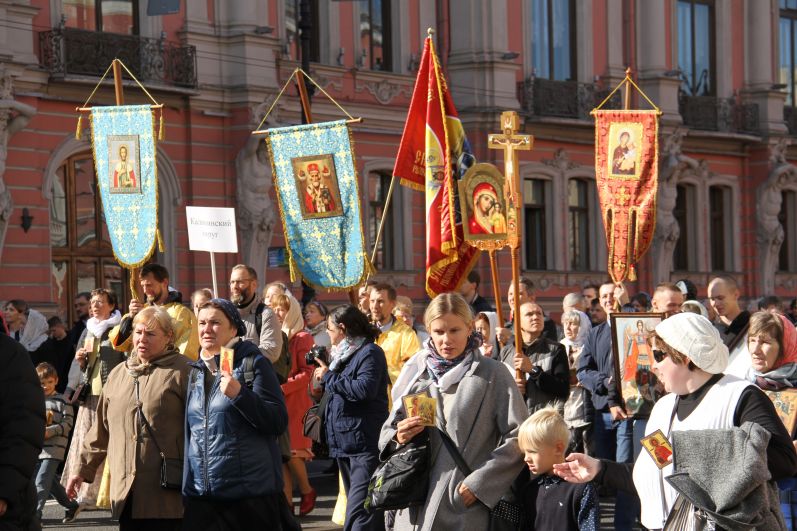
(344, 351)
(97, 328)
(293, 323)
(784, 372)
(317, 329)
(492, 319)
(439, 367)
(137, 367)
(34, 332)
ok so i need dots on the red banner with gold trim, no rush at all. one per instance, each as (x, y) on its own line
(626, 172)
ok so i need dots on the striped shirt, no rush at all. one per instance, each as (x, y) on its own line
(57, 430)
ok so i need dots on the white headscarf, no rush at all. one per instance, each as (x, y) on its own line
(492, 319)
(583, 330)
(293, 323)
(34, 333)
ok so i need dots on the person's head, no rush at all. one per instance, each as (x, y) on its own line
(281, 304)
(403, 310)
(56, 328)
(315, 175)
(243, 284)
(382, 302)
(154, 280)
(449, 321)
(314, 313)
(771, 341)
(596, 313)
(15, 311)
(624, 138)
(273, 289)
(348, 321)
(219, 322)
(606, 297)
(723, 294)
(590, 293)
(571, 324)
(481, 323)
(153, 333)
(687, 350)
(687, 288)
(543, 439)
(200, 297)
(81, 305)
(667, 299)
(364, 296)
(470, 286)
(102, 303)
(573, 301)
(695, 307)
(525, 290)
(123, 152)
(532, 320)
(641, 302)
(48, 377)
(484, 198)
(771, 304)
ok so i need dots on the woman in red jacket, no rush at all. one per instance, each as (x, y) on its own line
(297, 399)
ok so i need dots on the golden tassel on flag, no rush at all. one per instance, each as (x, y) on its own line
(79, 126)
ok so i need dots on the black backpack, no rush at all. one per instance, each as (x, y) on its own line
(283, 365)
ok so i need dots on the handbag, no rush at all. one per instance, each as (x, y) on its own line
(313, 427)
(686, 517)
(401, 479)
(171, 473)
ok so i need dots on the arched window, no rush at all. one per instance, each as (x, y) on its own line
(788, 219)
(82, 258)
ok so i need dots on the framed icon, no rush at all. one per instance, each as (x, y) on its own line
(124, 164)
(317, 186)
(633, 361)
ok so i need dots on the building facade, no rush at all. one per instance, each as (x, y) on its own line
(724, 73)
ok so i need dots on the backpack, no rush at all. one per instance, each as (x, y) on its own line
(283, 364)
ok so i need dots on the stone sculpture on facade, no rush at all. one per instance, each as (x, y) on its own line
(671, 164)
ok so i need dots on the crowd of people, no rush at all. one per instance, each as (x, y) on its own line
(196, 414)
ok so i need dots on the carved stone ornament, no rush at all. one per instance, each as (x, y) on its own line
(383, 90)
(561, 161)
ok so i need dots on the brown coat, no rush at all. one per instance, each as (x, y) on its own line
(133, 458)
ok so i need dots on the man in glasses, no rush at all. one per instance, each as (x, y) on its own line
(262, 326)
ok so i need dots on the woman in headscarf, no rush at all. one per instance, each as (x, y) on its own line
(578, 408)
(297, 399)
(315, 320)
(25, 324)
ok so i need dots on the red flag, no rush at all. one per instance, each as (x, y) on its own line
(433, 155)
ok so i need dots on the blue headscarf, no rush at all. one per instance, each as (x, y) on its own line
(232, 314)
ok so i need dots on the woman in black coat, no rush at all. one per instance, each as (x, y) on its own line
(356, 381)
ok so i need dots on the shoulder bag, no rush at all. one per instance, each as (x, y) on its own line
(171, 476)
(401, 479)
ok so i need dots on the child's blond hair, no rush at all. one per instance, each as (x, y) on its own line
(544, 427)
(45, 370)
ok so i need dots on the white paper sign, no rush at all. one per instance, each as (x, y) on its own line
(211, 229)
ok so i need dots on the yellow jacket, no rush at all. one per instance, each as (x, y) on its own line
(399, 344)
(186, 334)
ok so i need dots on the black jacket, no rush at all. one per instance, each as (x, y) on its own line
(553, 383)
(596, 368)
(21, 432)
(480, 304)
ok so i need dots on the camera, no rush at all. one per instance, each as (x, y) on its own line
(318, 352)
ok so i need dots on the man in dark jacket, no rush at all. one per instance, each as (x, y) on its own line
(470, 290)
(544, 365)
(81, 306)
(526, 293)
(21, 435)
(58, 351)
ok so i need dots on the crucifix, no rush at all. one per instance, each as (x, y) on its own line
(510, 142)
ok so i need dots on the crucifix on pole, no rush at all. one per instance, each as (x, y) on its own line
(510, 142)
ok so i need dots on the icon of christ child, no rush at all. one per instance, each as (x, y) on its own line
(124, 175)
(317, 196)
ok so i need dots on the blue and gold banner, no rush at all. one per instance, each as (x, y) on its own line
(319, 201)
(123, 142)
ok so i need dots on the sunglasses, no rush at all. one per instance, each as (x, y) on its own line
(659, 355)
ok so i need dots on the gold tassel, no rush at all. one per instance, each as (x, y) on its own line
(632, 273)
(161, 129)
(79, 126)
(161, 247)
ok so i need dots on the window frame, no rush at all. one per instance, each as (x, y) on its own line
(789, 14)
(98, 20)
(721, 243)
(572, 39)
(545, 214)
(684, 251)
(572, 230)
(787, 257)
(687, 77)
(387, 36)
(294, 48)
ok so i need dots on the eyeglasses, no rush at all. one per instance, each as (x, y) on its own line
(235, 282)
(659, 355)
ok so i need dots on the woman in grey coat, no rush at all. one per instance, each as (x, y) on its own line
(478, 405)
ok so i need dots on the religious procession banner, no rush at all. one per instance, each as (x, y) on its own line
(626, 171)
(123, 143)
(433, 156)
(319, 201)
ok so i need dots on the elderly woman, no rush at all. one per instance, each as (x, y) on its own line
(94, 361)
(315, 320)
(689, 360)
(356, 384)
(297, 400)
(479, 406)
(578, 407)
(26, 325)
(155, 376)
(233, 473)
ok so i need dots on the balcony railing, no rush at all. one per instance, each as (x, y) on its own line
(565, 99)
(708, 113)
(70, 51)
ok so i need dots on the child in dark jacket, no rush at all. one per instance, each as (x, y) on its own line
(60, 419)
(549, 503)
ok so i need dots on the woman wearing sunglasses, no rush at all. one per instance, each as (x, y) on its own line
(689, 358)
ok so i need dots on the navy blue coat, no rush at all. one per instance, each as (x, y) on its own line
(596, 368)
(358, 404)
(231, 449)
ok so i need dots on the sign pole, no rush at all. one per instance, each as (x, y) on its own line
(496, 288)
(510, 142)
(213, 274)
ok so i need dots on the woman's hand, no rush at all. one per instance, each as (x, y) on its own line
(578, 468)
(72, 486)
(467, 496)
(80, 357)
(230, 386)
(409, 428)
(321, 370)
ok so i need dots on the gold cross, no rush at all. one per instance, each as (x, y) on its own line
(623, 196)
(135, 231)
(297, 136)
(510, 142)
(317, 234)
(119, 233)
(317, 131)
(325, 258)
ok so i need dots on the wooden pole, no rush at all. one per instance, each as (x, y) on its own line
(496, 288)
(627, 94)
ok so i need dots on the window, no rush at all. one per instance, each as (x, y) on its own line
(685, 207)
(788, 219)
(719, 201)
(696, 47)
(553, 39)
(82, 258)
(293, 19)
(788, 48)
(390, 255)
(579, 212)
(110, 16)
(375, 49)
(534, 231)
